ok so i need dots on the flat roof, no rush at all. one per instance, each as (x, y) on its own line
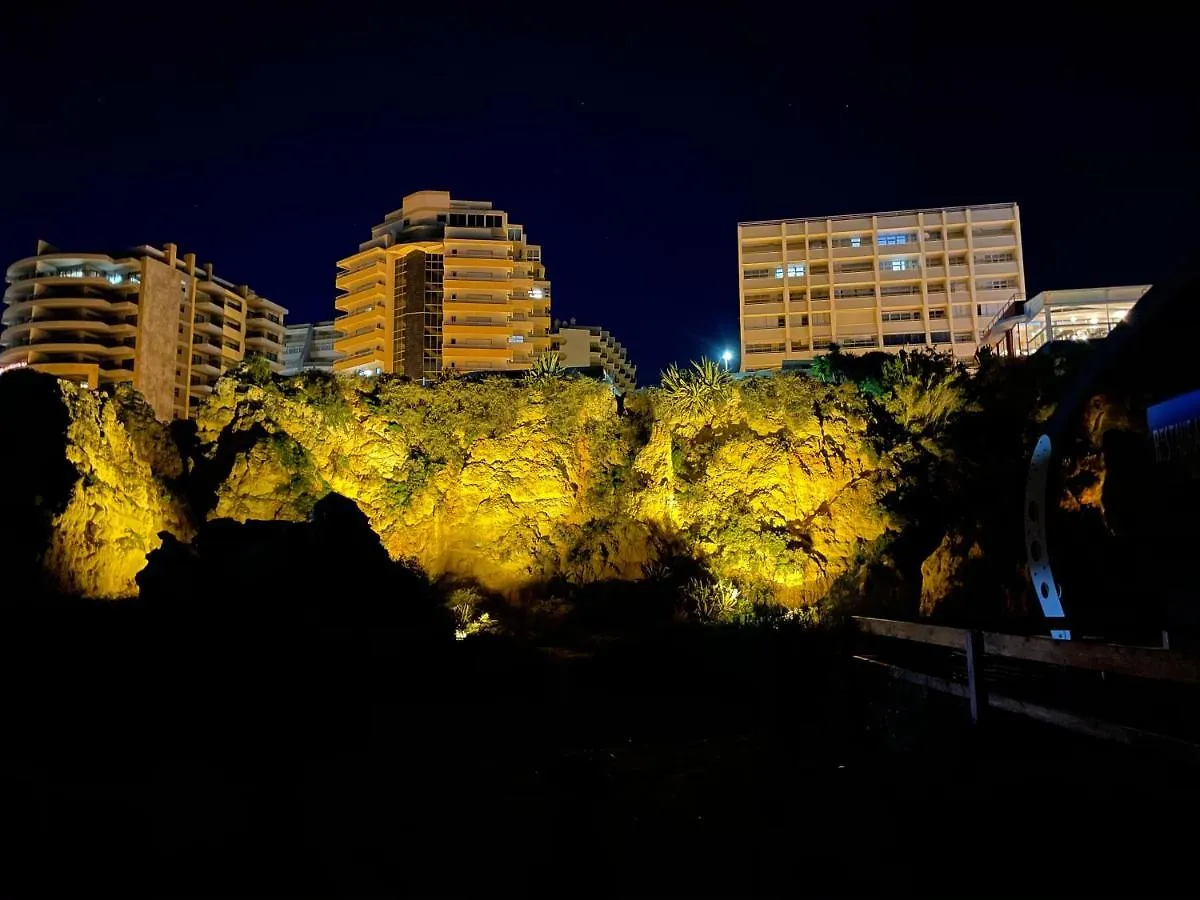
(892, 212)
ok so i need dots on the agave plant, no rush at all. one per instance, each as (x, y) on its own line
(547, 365)
(696, 391)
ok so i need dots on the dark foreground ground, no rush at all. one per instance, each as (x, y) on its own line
(192, 762)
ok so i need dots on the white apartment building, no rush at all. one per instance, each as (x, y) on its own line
(590, 347)
(309, 345)
(876, 281)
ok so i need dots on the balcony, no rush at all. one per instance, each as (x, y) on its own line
(474, 305)
(369, 315)
(366, 293)
(998, 268)
(764, 231)
(1002, 241)
(476, 328)
(866, 250)
(372, 271)
(762, 256)
(1003, 214)
(765, 309)
(500, 351)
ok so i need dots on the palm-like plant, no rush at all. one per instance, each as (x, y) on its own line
(697, 391)
(547, 365)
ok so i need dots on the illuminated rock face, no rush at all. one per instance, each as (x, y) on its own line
(120, 503)
(515, 482)
(507, 482)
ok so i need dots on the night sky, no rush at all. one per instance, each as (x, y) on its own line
(629, 144)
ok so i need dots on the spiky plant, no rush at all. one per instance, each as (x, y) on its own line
(697, 391)
(547, 365)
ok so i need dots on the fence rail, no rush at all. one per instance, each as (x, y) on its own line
(1148, 663)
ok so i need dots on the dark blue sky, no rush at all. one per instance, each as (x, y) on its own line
(628, 143)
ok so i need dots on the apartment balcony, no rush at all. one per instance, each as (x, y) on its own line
(459, 351)
(203, 326)
(763, 335)
(935, 272)
(955, 244)
(482, 260)
(462, 305)
(368, 337)
(1003, 214)
(902, 221)
(864, 277)
(762, 256)
(765, 309)
(472, 329)
(370, 292)
(1001, 241)
(867, 250)
(818, 278)
(362, 318)
(937, 246)
(1001, 268)
(371, 357)
(762, 231)
(959, 271)
(372, 271)
(262, 341)
(206, 367)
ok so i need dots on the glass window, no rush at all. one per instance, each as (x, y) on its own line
(795, 270)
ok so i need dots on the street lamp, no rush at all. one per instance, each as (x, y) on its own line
(727, 356)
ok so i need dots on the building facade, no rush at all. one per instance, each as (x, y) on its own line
(309, 345)
(1079, 314)
(443, 285)
(147, 316)
(876, 281)
(590, 346)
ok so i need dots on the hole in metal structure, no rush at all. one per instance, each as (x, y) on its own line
(1045, 589)
(1033, 511)
(1035, 550)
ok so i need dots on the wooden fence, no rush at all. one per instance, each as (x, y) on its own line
(1148, 663)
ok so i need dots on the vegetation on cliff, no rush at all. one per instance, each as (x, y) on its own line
(891, 481)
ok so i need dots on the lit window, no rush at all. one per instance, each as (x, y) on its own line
(855, 241)
(516, 338)
(889, 240)
(779, 271)
(795, 270)
(536, 293)
(115, 278)
(901, 265)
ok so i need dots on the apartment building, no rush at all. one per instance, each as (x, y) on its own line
(443, 285)
(876, 281)
(309, 345)
(589, 347)
(147, 316)
(1077, 314)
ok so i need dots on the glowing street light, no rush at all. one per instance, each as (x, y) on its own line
(727, 356)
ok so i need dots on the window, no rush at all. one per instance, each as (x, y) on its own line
(892, 240)
(765, 348)
(795, 270)
(537, 293)
(847, 293)
(997, 284)
(843, 242)
(986, 258)
(939, 337)
(856, 241)
(516, 338)
(820, 269)
(760, 299)
(779, 271)
(958, 287)
(820, 318)
(820, 293)
(798, 346)
(900, 265)
(756, 273)
(958, 260)
(818, 244)
(933, 234)
(899, 290)
(822, 343)
(514, 234)
(907, 315)
(992, 231)
(441, 217)
(799, 321)
(961, 311)
(900, 340)
(937, 314)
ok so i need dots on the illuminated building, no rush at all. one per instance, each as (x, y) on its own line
(146, 316)
(443, 285)
(875, 281)
(1079, 314)
(309, 345)
(590, 346)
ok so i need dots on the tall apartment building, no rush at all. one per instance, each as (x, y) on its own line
(146, 316)
(309, 345)
(443, 285)
(876, 281)
(589, 347)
